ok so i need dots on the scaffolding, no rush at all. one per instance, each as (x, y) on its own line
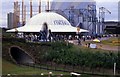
(102, 11)
(84, 17)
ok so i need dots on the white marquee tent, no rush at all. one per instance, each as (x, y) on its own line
(55, 22)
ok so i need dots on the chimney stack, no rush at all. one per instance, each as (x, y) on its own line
(48, 5)
(16, 14)
(24, 15)
(39, 6)
(22, 11)
(30, 8)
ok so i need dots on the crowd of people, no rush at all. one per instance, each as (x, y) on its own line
(44, 36)
(48, 36)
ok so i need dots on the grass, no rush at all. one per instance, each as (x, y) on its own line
(114, 41)
(24, 71)
(86, 49)
(10, 68)
(21, 71)
(39, 49)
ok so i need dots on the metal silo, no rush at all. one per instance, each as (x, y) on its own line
(80, 13)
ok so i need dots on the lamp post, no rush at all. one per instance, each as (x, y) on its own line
(78, 30)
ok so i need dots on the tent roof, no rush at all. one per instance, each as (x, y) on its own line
(55, 22)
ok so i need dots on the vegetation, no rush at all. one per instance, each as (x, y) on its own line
(10, 68)
(66, 53)
(57, 52)
(81, 57)
(112, 41)
(21, 71)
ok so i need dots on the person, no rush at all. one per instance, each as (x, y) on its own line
(40, 35)
(84, 39)
(88, 45)
(50, 35)
(79, 41)
(44, 35)
(45, 31)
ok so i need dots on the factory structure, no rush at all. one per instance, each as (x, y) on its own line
(10, 18)
(80, 14)
(14, 18)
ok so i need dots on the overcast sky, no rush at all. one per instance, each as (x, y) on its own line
(7, 6)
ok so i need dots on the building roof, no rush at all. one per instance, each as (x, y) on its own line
(55, 22)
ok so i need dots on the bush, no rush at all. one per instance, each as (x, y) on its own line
(11, 39)
(66, 55)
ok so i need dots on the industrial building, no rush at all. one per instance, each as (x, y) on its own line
(112, 27)
(13, 21)
(10, 18)
(14, 18)
(80, 14)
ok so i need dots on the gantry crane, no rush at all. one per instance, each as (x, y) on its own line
(102, 11)
(91, 8)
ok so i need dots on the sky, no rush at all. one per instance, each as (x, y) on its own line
(6, 6)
